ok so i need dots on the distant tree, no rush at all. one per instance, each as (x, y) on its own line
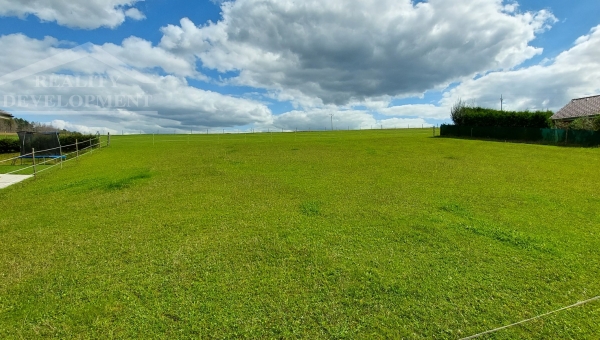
(23, 124)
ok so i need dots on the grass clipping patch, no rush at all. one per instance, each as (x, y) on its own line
(311, 208)
(492, 231)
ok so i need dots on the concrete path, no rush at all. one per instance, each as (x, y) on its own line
(8, 180)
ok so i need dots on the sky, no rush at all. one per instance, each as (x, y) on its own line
(157, 66)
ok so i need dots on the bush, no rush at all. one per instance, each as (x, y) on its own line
(464, 115)
(596, 123)
(9, 145)
(584, 123)
(561, 125)
(457, 112)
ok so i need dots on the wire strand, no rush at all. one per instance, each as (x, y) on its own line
(531, 319)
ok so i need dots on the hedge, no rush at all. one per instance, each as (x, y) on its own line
(70, 140)
(9, 145)
(482, 117)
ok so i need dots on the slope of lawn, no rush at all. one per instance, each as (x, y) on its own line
(361, 234)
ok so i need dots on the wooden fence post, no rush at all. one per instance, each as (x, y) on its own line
(33, 158)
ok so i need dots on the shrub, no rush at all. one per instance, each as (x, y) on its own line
(584, 123)
(596, 123)
(9, 145)
(561, 125)
(457, 112)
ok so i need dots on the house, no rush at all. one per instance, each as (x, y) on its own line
(5, 115)
(579, 108)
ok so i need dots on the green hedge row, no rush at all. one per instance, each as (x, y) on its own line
(11, 145)
(83, 140)
(478, 116)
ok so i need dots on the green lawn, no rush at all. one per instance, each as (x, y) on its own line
(362, 234)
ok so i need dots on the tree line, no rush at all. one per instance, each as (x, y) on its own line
(13, 125)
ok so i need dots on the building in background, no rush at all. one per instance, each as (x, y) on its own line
(587, 107)
(5, 115)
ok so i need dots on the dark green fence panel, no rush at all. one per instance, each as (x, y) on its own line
(502, 133)
(555, 136)
(583, 137)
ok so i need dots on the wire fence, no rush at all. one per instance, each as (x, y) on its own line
(222, 131)
(257, 136)
(82, 148)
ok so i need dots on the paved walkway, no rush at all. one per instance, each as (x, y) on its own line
(8, 180)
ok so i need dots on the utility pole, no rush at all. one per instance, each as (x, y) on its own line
(501, 102)
(331, 121)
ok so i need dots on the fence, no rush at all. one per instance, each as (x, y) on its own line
(81, 148)
(551, 136)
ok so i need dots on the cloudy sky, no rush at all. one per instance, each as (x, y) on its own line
(174, 65)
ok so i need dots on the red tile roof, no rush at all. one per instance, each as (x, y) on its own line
(580, 107)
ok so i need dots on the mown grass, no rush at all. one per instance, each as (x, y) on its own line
(25, 166)
(370, 234)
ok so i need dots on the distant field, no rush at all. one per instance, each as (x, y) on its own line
(360, 234)
(8, 135)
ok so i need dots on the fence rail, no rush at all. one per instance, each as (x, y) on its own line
(81, 148)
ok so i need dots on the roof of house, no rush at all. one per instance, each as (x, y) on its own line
(580, 107)
(5, 115)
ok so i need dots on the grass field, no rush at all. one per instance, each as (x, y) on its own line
(8, 135)
(364, 234)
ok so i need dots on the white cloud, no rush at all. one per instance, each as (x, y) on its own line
(321, 119)
(337, 52)
(417, 110)
(324, 57)
(79, 83)
(403, 123)
(135, 14)
(64, 125)
(550, 85)
(86, 14)
(140, 53)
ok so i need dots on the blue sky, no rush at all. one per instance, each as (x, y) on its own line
(274, 64)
